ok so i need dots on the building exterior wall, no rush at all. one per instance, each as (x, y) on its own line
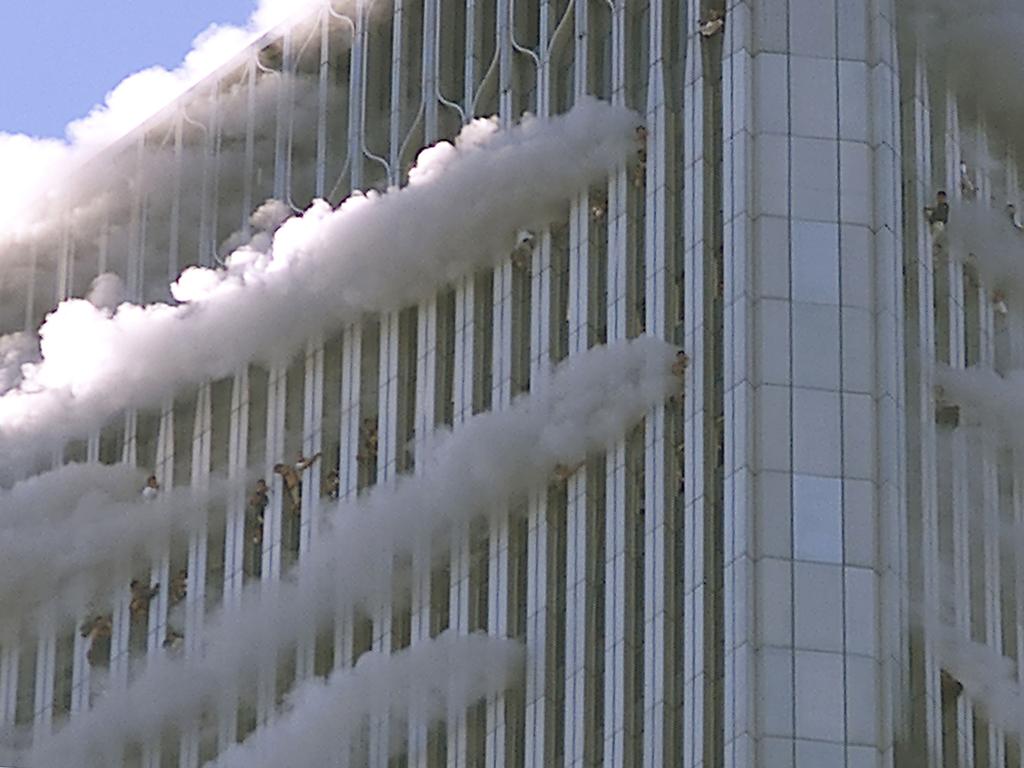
(738, 580)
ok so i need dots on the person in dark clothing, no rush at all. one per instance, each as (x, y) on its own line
(938, 213)
(254, 519)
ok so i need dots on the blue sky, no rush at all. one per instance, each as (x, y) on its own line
(60, 57)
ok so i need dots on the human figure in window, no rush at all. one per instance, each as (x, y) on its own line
(292, 476)
(938, 217)
(141, 595)
(713, 24)
(332, 485)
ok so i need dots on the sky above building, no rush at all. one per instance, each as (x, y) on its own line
(61, 57)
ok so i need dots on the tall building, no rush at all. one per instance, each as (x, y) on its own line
(751, 576)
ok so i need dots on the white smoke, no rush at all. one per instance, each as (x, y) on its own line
(107, 291)
(987, 239)
(989, 679)
(460, 212)
(41, 165)
(587, 403)
(325, 718)
(75, 534)
(16, 350)
(974, 45)
(996, 401)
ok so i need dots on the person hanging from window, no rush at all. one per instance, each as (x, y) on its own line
(967, 186)
(332, 485)
(292, 477)
(682, 362)
(255, 508)
(938, 216)
(999, 303)
(257, 505)
(152, 488)
(1011, 214)
(98, 631)
(564, 471)
(368, 441)
(94, 624)
(947, 413)
(179, 586)
(141, 596)
(174, 641)
(640, 169)
(712, 24)
(522, 253)
(950, 684)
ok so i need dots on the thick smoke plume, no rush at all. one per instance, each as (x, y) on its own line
(42, 165)
(494, 458)
(325, 718)
(75, 534)
(975, 45)
(988, 240)
(989, 679)
(460, 212)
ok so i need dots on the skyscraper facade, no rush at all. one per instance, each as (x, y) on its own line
(755, 573)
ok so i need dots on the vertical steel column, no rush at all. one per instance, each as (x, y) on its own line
(195, 595)
(282, 157)
(270, 574)
(136, 248)
(426, 392)
(962, 510)
(659, 514)
(312, 444)
(156, 626)
(121, 616)
(989, 521)
(65, 258)
(250, 143)
(81, 672)
(207, 203)
(462, 394)
(387, 396)
(321, 113)
(461, 551)
(578, 545)
(209, 245)
(160, 572)
(351, 420)
(694, 588)
(387, 453)
(173, 247)
(617, 555)
(314, 378)
(537, 525)
(9, 658)
(426, 387)
(501, 398)
(429, 75)
(235, 534)
(238, 445)
(46, 654)
(920, 534)
(81, 669)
